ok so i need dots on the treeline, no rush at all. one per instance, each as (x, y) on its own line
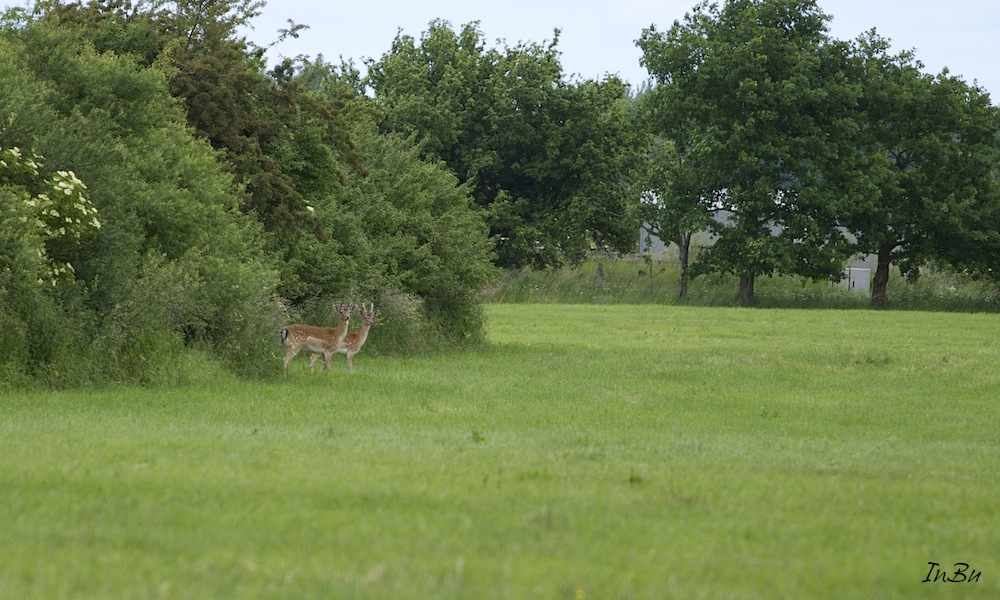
(167, 195)
(797, 150)
(164, 198)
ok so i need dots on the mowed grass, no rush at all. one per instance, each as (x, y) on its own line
(588, 452)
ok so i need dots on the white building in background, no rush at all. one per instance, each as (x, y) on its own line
(857, 279)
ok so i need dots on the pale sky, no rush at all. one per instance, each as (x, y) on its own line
(598, 36)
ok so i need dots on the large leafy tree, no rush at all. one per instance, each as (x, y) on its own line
(678, 201)
(551, 162)
(925, 173)
(753, 92)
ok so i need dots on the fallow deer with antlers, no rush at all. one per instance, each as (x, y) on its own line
(354, 340)
(325, 340)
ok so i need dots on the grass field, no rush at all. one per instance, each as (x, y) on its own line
(589, 452)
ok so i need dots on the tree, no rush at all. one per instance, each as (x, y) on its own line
(678, 204)
(755, 90)
(925, 169)
(552, 163)
(675, 207)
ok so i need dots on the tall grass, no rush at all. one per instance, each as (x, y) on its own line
(644, 280)
(587, 452)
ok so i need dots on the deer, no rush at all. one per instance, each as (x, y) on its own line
(354, 340)
(325, 340)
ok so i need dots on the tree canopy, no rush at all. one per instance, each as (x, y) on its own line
(553, 163)
(924, 178)
(804, 150)
(744, 90)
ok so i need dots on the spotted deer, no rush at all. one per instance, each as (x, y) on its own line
(354, 340)
(324, 340)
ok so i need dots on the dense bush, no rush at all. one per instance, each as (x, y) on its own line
(123, 245)
(177, 254)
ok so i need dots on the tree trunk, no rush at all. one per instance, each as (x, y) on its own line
(746, 289)
(881, 280)
(683, 255)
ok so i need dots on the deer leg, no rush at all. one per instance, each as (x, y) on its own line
(289, 356)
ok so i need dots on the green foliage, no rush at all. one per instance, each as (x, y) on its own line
(284, 145)
(54, 213)
(925, 182)
(753, 99)
(230, 198)
(807, 149)
(552, 162)
(412, 233)
(377, 223)
(42, 221)
(140, 338)
(143, 288)
(195, 243)
(22, 97)
(24, 299)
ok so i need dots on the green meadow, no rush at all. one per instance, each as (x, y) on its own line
(594, 452)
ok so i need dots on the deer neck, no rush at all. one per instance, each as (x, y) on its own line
(363, 332)
(341, 329)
